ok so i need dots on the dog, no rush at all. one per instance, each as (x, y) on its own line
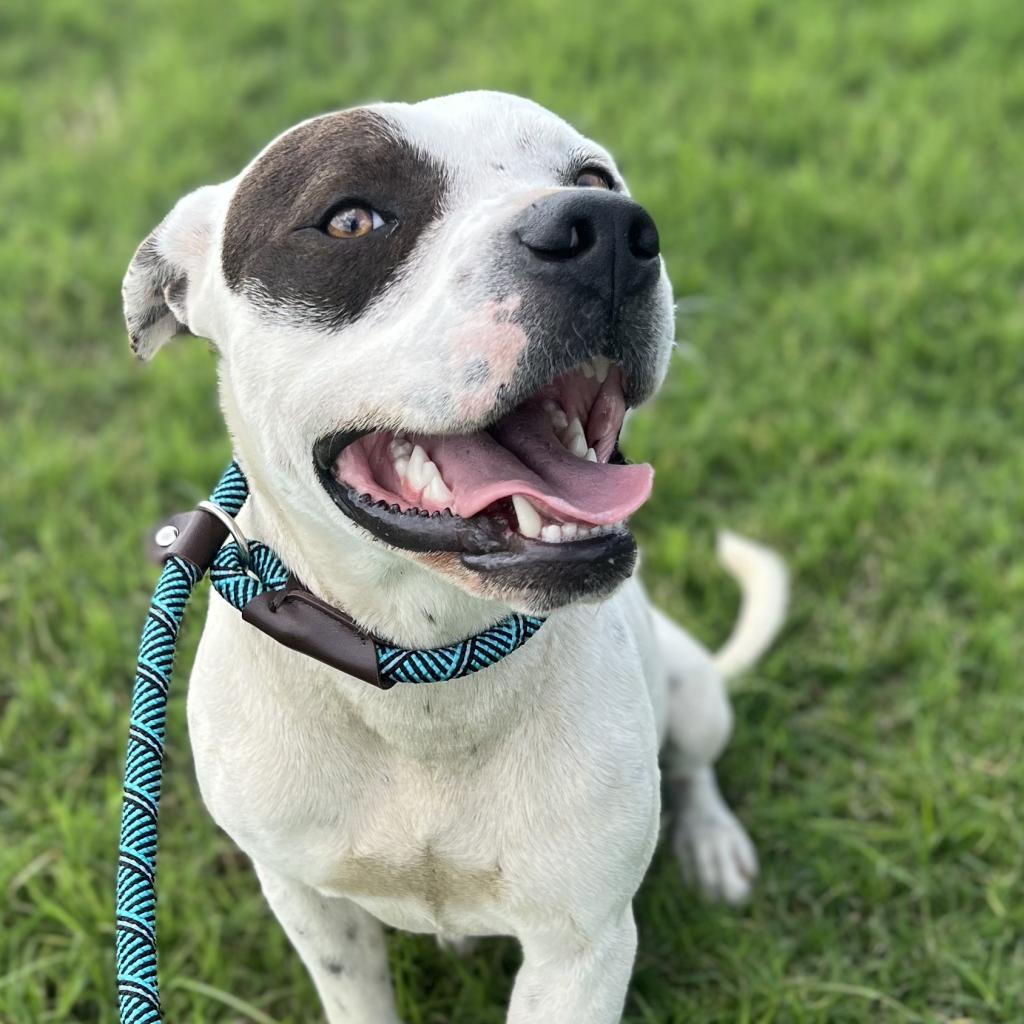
(430, 321)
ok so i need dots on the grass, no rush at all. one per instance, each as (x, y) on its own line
(838, 187)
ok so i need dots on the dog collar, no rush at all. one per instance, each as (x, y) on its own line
(253, 579)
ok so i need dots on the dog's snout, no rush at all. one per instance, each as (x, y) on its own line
(602, 241)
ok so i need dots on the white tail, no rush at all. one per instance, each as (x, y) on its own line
(764, 588)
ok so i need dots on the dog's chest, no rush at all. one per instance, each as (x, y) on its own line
(469, 814)
(424, 887)
(429, 851)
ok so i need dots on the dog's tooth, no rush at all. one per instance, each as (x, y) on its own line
(400, 446)
(552, 533)
(417, 474)
(556, 414)
(588, 369)
(402, 465)
(601, 368)
(578, 445)
(569, 531)
(436, 490)
(591, 455)
(527, 515)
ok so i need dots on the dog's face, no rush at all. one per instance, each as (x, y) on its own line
(431, 321)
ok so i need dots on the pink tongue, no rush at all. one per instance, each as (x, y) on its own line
(530, 460)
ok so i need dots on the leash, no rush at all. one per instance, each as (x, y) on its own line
(253, 579)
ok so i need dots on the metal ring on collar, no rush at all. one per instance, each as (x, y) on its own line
(233, 528)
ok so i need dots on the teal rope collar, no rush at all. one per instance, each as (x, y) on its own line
(250, 577)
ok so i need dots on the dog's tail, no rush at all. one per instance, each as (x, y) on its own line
(764, 597)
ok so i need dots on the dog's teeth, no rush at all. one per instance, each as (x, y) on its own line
(556, 414)
(421, 472)
(569, 531)
(552, 533)
(601, 368)
(436, 490)
(415, 472)
(574, 438)
(588, 369)
(529, 518)
(402, 465)
(591, 455)
(400, 446)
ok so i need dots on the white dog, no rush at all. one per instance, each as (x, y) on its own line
(448, 307)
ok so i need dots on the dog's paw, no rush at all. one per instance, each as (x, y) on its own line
(715, 854)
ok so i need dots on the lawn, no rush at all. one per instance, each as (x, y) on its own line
(838, 187)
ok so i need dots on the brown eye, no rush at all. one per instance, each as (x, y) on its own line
(591, 177)
(354, 222)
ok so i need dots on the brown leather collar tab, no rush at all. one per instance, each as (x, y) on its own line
(195, 536)
(300, 620)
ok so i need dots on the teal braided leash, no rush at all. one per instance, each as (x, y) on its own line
(136, 954)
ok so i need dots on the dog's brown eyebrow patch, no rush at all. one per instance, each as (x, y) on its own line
(274, 248)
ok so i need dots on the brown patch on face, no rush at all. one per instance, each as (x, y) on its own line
(276, 247)
(447, 564)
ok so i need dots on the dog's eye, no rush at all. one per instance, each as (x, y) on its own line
(354, 221)
(593, 177)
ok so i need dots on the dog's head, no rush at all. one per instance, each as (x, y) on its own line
(431, 320)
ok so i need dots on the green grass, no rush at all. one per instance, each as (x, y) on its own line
(839, 193)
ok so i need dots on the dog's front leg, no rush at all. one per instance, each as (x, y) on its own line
(573, 981)
(342, 947)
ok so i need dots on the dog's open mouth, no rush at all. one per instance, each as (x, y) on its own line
(543, 480)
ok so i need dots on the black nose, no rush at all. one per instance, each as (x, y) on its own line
(600, 240)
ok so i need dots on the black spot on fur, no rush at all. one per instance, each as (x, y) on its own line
(274, 247)
(334, 967)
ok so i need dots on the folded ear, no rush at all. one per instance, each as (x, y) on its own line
(165, 267)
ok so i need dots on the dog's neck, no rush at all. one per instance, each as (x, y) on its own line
(386, 593)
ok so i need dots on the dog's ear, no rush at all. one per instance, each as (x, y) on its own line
(164, 269)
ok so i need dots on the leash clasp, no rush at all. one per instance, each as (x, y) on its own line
(234, 529)
(197, 536)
